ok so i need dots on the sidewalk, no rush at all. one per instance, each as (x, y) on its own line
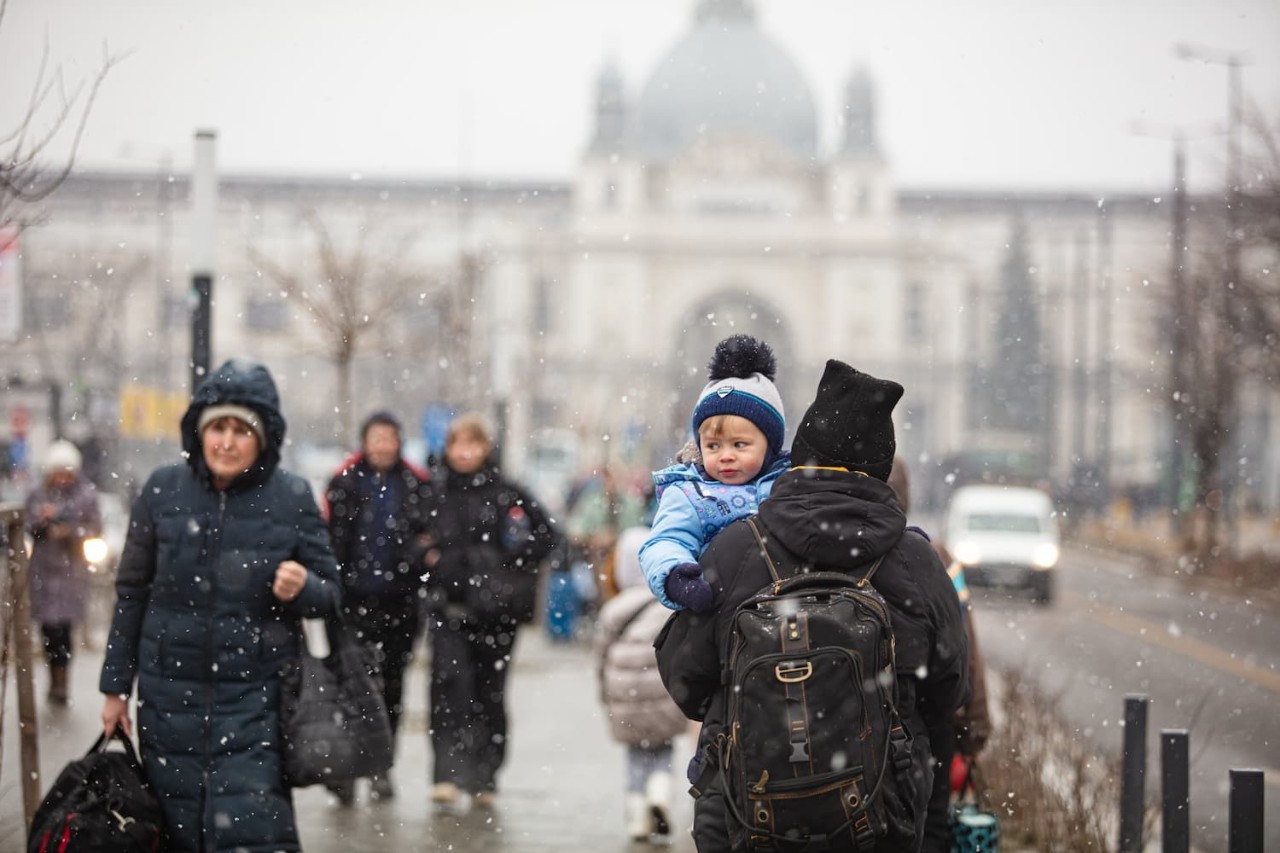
(561, 788)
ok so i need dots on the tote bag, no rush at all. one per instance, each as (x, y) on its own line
(333, 719)
(974, 829)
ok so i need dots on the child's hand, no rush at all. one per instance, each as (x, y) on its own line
(686, 587)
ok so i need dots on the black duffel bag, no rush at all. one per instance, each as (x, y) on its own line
(99, 804)
(333, 718)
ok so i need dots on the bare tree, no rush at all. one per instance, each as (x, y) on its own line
(26, 178)
(1260, 285)
(1208, 398)
(1228, 321)
(352, 291)
(456, 305)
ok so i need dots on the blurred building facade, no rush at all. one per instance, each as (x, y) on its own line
(1027, 328)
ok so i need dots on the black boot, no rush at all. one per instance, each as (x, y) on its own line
(344, 790)
(58, 684)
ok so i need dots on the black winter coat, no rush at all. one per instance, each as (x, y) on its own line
(197, 624)
(350, 529)
(479, 519)
(834, 521)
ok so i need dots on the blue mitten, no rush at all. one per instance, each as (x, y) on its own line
(686, 587)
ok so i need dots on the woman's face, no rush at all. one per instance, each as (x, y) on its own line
(466, 452)
(230, 448)
(61, 478)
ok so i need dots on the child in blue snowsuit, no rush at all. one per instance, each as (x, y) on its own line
(729, 468)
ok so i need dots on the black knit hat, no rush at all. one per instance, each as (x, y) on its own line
(849, 424)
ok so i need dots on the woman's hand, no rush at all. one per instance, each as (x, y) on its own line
(291, 577)
(115, 712)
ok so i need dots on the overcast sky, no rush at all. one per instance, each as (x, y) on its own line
(976, 93)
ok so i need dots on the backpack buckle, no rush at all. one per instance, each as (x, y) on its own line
(793, 672)
(900, 747)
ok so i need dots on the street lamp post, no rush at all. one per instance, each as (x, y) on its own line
(204, 209)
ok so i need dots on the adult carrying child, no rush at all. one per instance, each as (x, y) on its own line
(833, 513)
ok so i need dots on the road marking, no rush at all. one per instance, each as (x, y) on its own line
(1197, 649)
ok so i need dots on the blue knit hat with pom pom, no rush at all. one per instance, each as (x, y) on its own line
(741, 373)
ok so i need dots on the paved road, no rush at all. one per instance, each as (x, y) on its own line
(561, 789)
(1207, 662)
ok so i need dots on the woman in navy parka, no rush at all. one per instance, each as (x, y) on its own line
(224, 555)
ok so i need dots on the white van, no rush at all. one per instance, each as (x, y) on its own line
(1004, 536)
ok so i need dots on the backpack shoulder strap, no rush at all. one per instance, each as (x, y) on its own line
(863, 581)
(866, 579)
(764, 549)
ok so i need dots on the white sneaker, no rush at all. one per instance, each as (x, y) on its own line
(657, 796)
(637, 817)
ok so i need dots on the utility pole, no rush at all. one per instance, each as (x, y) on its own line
(1179, 379)
(204, 212)
(1106, 366)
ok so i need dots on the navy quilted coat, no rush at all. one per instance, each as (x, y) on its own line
(197, 625)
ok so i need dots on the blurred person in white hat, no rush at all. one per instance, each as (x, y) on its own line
(62, 512)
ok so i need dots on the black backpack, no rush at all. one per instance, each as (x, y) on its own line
(814, 755)
(99, 804)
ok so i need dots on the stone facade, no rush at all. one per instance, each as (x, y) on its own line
(589, 308)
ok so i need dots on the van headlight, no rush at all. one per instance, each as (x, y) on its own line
(95, 550)
(967, 552)
(1045, 556)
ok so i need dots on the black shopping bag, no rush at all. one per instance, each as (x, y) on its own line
(333, 719)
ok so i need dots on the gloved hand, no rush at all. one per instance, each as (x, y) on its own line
(686, 587)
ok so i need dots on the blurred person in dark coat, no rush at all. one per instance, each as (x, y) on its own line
(966, 732)
(62, 512)
(226, 553)
(489, 537)
(378, 505)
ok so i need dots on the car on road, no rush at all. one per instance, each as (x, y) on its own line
(1005, 536)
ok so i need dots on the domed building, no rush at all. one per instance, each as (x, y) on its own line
(703, 206)
(581, 314)
(726, 79)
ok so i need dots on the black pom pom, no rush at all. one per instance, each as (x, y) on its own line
(740, 356)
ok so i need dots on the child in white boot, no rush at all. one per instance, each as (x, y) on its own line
(641, 714)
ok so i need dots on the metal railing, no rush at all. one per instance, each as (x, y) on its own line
(15, 648)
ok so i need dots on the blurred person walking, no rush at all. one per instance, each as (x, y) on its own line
(965, 732)
(377, 509)
(226, 553)
(62, 512)
(489, 538)
(642, 715)
(602, 508)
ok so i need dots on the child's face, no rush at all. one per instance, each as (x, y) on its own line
(733, 449)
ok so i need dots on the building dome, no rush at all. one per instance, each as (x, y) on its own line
(725, 78)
